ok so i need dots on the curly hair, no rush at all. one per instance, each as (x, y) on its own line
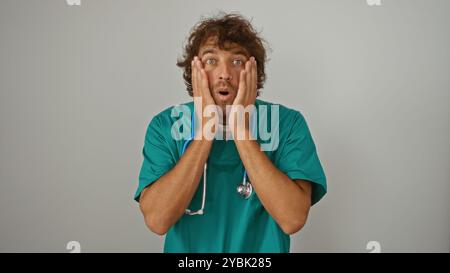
(227, 28)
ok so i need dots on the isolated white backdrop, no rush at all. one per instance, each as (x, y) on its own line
(79, 85)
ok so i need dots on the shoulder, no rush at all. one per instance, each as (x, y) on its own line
(169, 115)
(286, 114)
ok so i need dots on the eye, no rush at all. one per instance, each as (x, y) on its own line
(210, 61)
(238, 62)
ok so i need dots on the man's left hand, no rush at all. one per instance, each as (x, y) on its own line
(246, 96)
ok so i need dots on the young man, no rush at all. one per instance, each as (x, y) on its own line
(247, 199)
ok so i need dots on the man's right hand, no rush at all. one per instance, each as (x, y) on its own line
(157, 203)
(200, 86)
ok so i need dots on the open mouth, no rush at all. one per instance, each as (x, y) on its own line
(224, 95)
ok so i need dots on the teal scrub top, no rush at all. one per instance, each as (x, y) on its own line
(231, 223)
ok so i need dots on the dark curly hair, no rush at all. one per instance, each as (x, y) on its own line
(227, 28)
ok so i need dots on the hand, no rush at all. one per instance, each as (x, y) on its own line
(246, 96)
(200, 87)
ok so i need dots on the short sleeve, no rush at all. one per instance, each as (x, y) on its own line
(157, 156)
(299, 159)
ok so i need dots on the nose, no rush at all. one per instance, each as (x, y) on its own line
(224, 73)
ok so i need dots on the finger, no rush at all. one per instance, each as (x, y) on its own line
(248, 74)
(254, 76)
(205, 83)
(194, 91)
(199, 64)
(194, 78)
(242, 85)
(201, 78)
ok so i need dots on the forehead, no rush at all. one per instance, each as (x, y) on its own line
(211, 45)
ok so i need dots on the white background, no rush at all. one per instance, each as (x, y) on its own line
(79, 85)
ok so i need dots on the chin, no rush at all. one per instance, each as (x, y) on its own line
(223, 103)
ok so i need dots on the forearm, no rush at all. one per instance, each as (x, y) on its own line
(283, 199)
(165, 201)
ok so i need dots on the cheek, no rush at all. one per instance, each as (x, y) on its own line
(209, 72)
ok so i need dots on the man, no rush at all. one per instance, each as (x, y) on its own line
(223, 64)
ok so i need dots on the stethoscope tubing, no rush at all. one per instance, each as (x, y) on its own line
(245, 189)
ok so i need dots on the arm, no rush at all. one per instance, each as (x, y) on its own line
(287, 202)
(165, 201)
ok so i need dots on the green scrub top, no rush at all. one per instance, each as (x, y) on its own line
(231, 223)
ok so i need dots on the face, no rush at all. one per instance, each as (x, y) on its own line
(223, 68)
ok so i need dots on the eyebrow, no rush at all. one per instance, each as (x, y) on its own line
(235, 51)
(208, 50)
(239, 51)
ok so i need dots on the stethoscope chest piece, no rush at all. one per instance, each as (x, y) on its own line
(245, 190)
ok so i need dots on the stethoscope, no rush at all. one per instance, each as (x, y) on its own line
(244, 189)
